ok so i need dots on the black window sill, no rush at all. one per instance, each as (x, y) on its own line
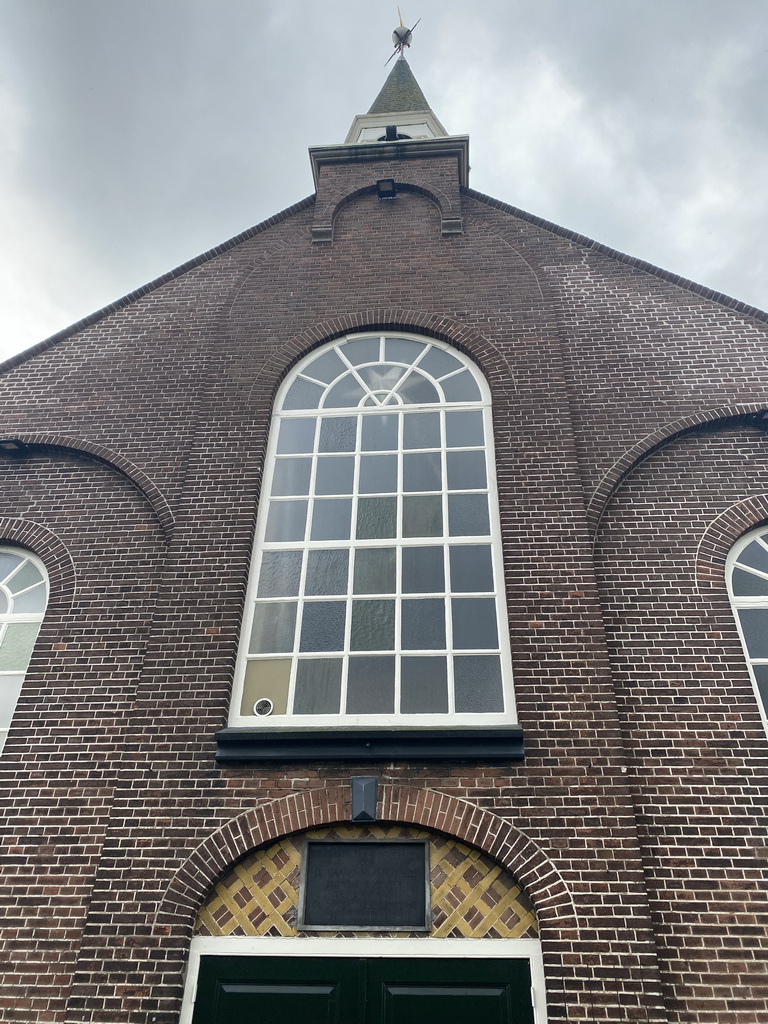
(376, 744)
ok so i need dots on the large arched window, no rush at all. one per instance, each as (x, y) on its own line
(748, 587)
(23, 597)
(376, 591)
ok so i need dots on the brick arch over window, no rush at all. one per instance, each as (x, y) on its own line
(312, 809)
(50, 550)
(720, 536)
(714, 419)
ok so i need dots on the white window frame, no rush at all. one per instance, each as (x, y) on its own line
(325, 721)
(749, 601)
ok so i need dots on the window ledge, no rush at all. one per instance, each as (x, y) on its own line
(503, 743)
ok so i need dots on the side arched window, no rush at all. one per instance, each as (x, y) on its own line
(23, 598)
(376, 591)
(748, 587)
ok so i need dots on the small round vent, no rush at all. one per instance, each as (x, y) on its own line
(263, 706)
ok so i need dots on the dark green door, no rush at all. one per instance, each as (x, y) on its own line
(324, 990)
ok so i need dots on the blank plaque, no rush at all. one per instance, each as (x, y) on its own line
(365, 885)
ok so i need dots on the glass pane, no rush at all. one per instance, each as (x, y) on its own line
(326, 367)
(382, 377)
(318, 686)
(423, 516)
(266, 679)
(280, 574)
(331, 519)
(376, 518)
(296, 436)
(461, 388)
(366, 350)
(754, 623)
(468, 515)
(3, 603)
(423, 625)
(8, 563)
(400, 350)
(291, 476)
(754, 555)
(423, 570)
(438, 362)
(28, 575)
(422, 472)
(345, 393)
(423, 686)
(747, 584)
(380, 432)
(378, 473)
(10, 691)
(417, 390)
(335, 474)
(327, 572)
(761, 675)
(373, 626)
(471, 569)
(286, 521)
(474, 623)
(322, 626)
(273, 628)
(303, 394)
(338, 433)
(464, 429)
(17, 646)
(477, 683)
(34, 600)
(371, 686)
(375, 571)
(466, 471)
(421, 430)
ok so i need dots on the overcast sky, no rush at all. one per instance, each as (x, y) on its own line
(135, 134)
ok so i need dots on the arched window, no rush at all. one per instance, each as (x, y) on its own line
(23, 597)
(748, 587)
(376, 591)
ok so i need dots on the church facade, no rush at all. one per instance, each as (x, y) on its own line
(385, 624)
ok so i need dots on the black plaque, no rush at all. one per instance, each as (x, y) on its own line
(365, 885)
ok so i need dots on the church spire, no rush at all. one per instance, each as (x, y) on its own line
(400, 111)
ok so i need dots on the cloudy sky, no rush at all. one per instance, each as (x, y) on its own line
(135, 134)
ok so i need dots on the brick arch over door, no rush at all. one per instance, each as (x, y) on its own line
(314, 808)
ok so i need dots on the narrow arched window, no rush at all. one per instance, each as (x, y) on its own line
(23, 598)
(376, 591)
(748, 587)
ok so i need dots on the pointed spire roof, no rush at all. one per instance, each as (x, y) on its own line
(400, 92)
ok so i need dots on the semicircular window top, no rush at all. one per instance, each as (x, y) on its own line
(748, 588)
(376, 592)
(23, 599)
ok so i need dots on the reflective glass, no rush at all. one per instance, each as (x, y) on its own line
(28, 575)
(266, 678)
(291, 476)
(423, 570)
(378, 473)
(401, 350)
(747, 584)
(296, 436)
(381, 377)
(326, 367)
(365, 350)
(761, 677)
(423, 516)
(477, 683)
(422, 472)
(471, 569)
(461, 388)
(474, 623)
(754, 624)
(18, 641)
(417, 390)
(331, 519)
(280, 574)
(322, 626)
(466, 471)
(273, 628)
(345, 394)
(464, 429)
(376, 518)
(10, 691)
(423, 686)
(338, 433)
(33, 601)
(3, 603)
(468, 515)
(755, 555)
(8, 563)
(380, 432)
(373, 626)
(374, 571)
(318, 686)
(335, 474)
(423, 625)
(371, 685)
(421, 430)
(303, 394)
(286, 521)
(327, 572)
(438, 362)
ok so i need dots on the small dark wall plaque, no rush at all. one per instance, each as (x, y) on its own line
(365, 885)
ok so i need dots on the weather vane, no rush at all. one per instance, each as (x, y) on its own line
(401, 37)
